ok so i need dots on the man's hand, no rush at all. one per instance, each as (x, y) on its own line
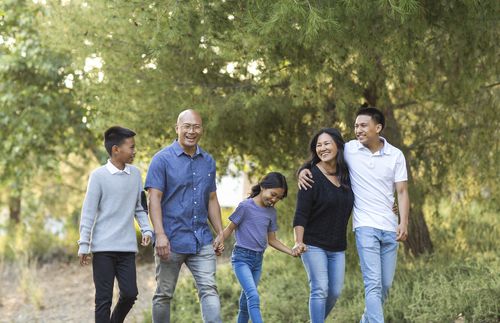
(85, 259)
(146, 240)
(402, 232)
(218, 244)
(162, 246)
(305, 179)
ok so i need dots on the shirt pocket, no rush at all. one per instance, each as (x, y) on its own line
(209, 181)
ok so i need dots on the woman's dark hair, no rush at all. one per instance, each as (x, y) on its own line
(271, 180)
(341, 170)
(115, 136)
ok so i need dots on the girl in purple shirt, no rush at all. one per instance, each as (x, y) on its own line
(254, 223)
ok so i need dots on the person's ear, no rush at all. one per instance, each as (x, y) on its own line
(378, 127)
(115, 149)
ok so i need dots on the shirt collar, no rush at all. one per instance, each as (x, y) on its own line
(113, 170)
(385, 150)
(179, 151)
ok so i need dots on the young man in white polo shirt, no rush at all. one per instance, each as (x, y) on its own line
(376, 169)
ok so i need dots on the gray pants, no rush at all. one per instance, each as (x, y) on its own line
(202, 266)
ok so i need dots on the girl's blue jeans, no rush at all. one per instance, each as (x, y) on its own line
(247, 266)
(325, 270)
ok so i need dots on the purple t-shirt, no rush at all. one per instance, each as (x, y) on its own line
(254, 222)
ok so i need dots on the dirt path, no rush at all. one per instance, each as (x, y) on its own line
(65, 293)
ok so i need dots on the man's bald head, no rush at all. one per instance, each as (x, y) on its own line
(188, 116)
(189, 130)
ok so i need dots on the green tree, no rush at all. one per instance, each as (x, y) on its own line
(266, 74)
(41, 122)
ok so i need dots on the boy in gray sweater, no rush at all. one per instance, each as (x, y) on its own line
(107, 229)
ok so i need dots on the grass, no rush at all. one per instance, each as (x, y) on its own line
(435, 288)
(460, 280)
(28, 282)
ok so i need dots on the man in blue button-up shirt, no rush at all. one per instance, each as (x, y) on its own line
(183, 198)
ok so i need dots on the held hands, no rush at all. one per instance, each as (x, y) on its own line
(85, 259)
(218, 244)
(162, 246)
(305, 179)
(298, 249)
(294, 253)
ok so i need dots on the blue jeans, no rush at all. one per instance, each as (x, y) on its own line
(377, 250)
(202, 266)
(325, 270)
(247, 267)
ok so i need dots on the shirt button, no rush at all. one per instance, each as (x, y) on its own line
(195, 203)
(194, 231)
(194, 173)
(194, 188)
(195, 216)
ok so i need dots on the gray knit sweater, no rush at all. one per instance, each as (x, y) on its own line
(111, 202)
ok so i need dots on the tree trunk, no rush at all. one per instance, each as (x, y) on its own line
(419, 240)
(15, 208)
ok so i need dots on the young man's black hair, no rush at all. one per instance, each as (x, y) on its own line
(374, 113)
(115, 136)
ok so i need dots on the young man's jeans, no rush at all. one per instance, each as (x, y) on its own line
(325, 270)
(202, 266)
(247, 267)
(106, 266)
(377, 250)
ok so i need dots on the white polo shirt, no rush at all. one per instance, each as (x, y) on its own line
(373, 178)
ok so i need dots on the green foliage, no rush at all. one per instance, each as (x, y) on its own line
(266, 74)
(30, 241)
(459, 280)
(433, 289)
(41, 123)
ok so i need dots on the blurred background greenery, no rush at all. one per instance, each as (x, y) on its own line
(265, 75)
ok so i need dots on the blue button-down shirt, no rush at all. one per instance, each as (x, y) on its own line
(186, 183)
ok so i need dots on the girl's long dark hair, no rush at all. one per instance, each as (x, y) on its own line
(271, 180)
(342, 170)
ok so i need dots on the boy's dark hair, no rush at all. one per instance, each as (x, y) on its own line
(115, 136)
(374, 113)
(271, 180)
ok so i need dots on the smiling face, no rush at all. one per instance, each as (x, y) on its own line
(367, 130)
(189, 130)
(125, 152)
(271, 196)
(326, 148)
